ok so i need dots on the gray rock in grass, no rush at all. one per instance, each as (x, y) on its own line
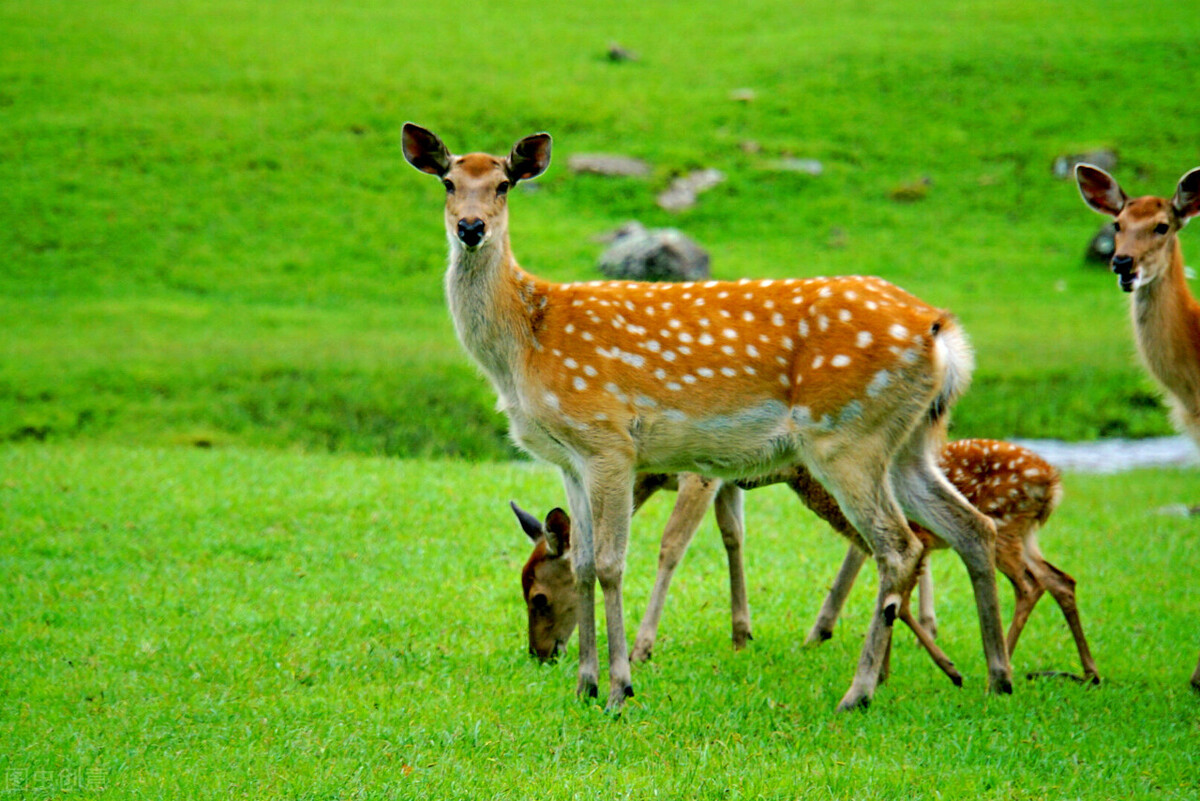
(1064, 165)
(608, 164)
(662, 254)
(682, 192)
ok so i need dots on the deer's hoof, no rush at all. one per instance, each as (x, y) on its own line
(616, 699)
(854, 703)
(818, 636)
(587, 688)
(891, 609)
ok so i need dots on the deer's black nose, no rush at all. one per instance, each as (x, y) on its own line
(1122, 265)
(471, 232)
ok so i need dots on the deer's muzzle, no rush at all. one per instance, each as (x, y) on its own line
(470, 232)
(1126, 271)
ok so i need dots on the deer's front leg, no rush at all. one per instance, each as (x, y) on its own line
(695, 495)
(610, 492)
(822, 629)
(583, 563)
(732, 522)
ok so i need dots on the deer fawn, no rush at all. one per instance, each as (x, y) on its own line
(606, 379)
(1148, 261)
(1019, 491)
(1010, 484)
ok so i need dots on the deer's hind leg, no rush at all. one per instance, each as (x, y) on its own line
(928, 498)
(1061, 587)
(864, 492)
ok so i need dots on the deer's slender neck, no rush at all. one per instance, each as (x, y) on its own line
(483, 290)
(1164, 319)
(1160, 303)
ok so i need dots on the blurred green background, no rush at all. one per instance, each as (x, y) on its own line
(208, 233)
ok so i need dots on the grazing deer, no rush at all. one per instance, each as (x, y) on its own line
(1148, 261)
(1010, 484)
(610, 378)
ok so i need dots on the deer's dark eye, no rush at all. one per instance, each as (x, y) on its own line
(1116, 226)
(446, 182)
(502, 189)
(1161, 228)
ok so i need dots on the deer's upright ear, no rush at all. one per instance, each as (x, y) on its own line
(425, 151)
(558, 532)
(529, 158)
(1187, 196)
(1100, 190)
(529, 524)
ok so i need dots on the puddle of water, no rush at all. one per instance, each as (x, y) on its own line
(1115, 455)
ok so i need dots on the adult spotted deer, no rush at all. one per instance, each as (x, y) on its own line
(1011, 484)
(605, 379)
(1148, 261)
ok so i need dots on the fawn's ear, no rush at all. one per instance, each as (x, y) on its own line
(1100, 190)
(558, 532)
(529, 158)
(1187, 196)
(529, 524)
(425, 151)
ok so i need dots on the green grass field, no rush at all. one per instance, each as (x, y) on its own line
(209, 237)
(208, 233)
(181, 624)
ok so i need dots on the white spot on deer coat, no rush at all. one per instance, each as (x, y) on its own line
(878, 383)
